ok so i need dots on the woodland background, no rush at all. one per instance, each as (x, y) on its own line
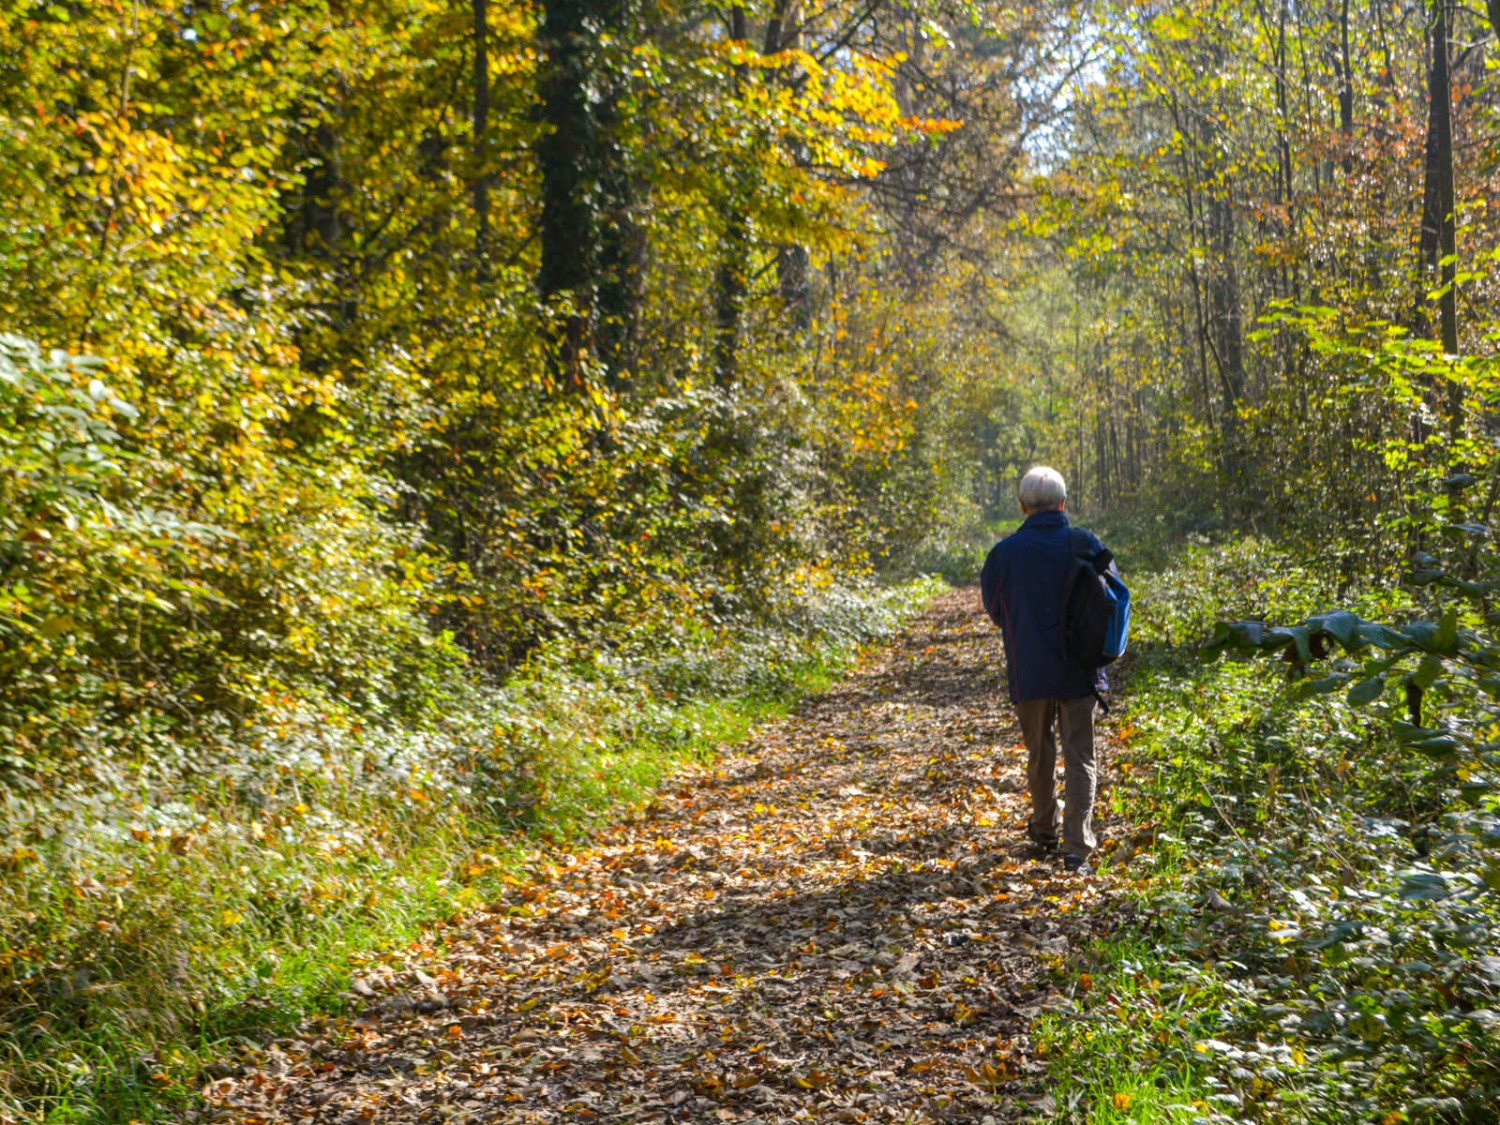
(427, 421)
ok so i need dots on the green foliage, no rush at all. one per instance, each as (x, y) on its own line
(1312, 877)
(1239, 187)
(123, 601)
(329, 574)
(84, 551)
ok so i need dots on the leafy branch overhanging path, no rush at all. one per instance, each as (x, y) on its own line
(839, 921)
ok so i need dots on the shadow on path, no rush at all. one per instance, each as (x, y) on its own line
(839, 921)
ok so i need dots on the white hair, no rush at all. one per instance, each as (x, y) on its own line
(1042, 488)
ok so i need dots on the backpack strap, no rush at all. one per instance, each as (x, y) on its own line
(1079, 543)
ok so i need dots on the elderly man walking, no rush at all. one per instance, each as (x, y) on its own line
(1022, 588)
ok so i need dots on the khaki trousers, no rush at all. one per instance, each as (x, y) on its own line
(1043, 723)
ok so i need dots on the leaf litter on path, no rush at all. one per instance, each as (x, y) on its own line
(839, 920)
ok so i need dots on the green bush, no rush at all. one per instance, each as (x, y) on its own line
(1323, 877)
(174, 881)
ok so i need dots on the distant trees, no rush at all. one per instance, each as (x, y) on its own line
(1216, 182)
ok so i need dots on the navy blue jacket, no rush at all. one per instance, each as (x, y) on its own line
(1022, 588)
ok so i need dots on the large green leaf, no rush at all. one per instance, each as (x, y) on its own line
(1428, 672)
(1443, 746)
(1407, 734)
(1324, 685)
(1383, 636)
(1425, 886)
(1342, 626)
(1422, 634)
(1246, 636)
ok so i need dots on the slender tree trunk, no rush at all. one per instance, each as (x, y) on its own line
(1283, 115)
(481, 137)
(793, 279)
(567, 155)
(1346, 87)
(1101, 469)
(1438, 242)
(1285, 216)
(1447, 201)
(734, 252)
(1227, 337)
(1377, 13)
(1224, 299)
(1190, 175)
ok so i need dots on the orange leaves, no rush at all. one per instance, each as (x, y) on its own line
(813, 1080)
(849, 948)
(148, 180)
(932, 126)
(995, 1073)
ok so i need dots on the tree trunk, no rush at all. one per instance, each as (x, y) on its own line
(481, 131)
(1346, 88)
(793, 279)
(1438, 242)
(1447, 203)
(1224, 300)
(567, 154)
(734, 252)
(779, 36)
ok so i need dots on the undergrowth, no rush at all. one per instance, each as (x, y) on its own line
(1306, 942)
(172, 891)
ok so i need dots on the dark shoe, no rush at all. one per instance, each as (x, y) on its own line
(1076, 865)
(1047, 844)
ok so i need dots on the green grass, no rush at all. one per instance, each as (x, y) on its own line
(1127, 1052)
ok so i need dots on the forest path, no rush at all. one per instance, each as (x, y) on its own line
(837, 921)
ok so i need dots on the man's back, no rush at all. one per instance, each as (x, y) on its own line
(1022, 587)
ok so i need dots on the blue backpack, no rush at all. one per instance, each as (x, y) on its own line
(1096, 608)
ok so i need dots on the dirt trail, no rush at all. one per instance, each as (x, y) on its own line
(840, 921)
